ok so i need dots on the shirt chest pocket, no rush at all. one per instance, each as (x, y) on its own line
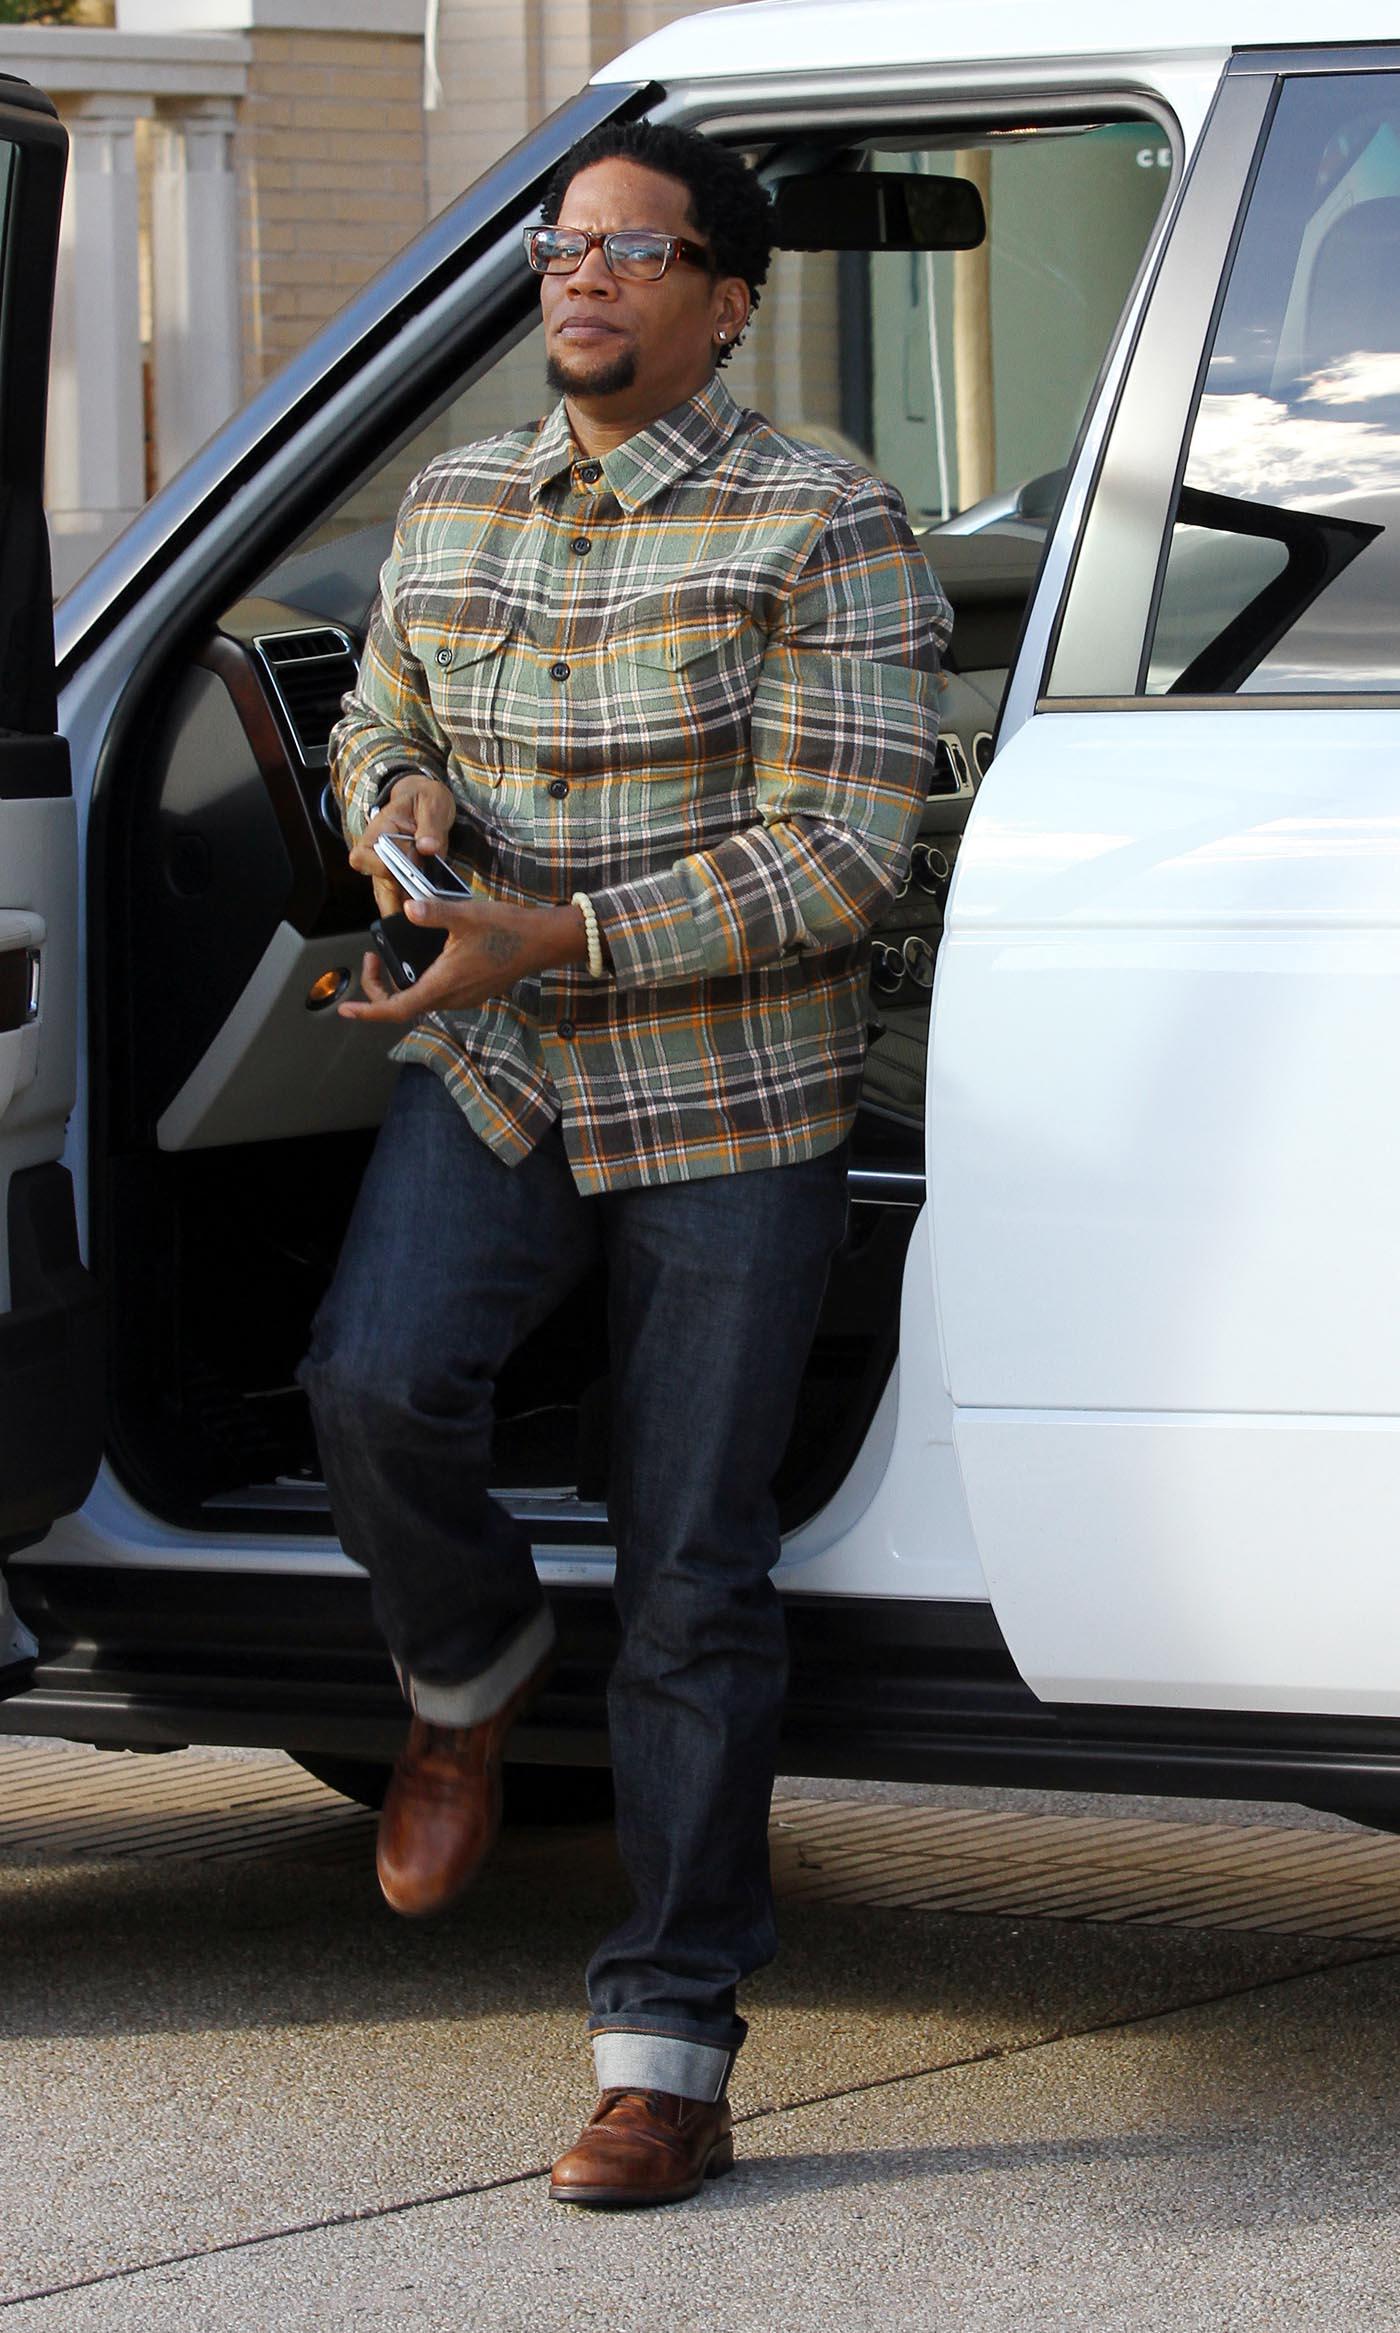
(687, 688)
(468, 676)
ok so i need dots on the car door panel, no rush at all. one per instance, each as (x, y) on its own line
(1163, 1187)
(1174, 1205)
(1192, 1562)
(50, 1349)
(1165, 1177)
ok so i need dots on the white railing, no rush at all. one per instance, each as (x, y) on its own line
(146, 354)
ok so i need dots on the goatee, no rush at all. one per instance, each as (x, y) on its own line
(619, 373)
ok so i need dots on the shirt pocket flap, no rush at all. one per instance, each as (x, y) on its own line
(678, 647)
(438, 654)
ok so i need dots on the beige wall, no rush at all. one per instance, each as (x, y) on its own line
(330, 154)
(506, 64)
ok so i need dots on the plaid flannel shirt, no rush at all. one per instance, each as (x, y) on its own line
(695, 679)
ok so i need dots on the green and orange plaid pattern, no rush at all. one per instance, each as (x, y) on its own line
(696, 679)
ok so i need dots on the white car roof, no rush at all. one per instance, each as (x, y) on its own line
(787, 36)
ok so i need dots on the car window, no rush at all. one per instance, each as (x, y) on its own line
(1282, 570)
(961, 377)
(981, 362)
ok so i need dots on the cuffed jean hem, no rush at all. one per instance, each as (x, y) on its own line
(658, 2061)
(479, 1697)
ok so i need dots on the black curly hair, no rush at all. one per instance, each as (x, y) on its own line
(727, 203)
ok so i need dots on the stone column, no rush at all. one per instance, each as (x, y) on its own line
(196, 338)
(97, 458)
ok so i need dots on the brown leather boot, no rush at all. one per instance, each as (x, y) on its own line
(642, 2147)
(442, 1810)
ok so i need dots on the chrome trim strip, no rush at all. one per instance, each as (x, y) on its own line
(887, 1186)
(318, 758)
(1104, 619)
(950, 743)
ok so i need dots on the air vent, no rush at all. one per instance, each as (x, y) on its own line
(309, 673)
(950, 771)
(982, 752)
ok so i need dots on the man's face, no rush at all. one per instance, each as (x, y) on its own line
(642, 347)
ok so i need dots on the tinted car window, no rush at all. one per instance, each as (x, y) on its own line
(1282, 571)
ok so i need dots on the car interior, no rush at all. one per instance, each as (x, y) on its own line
(239, 1110)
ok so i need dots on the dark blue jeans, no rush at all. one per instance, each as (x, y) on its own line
(713, 1293)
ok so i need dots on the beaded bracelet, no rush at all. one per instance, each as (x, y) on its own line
(597, 969)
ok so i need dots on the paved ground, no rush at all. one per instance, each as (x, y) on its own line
(239, 2094)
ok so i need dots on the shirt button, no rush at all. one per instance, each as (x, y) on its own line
(559, 671)
(582, 545)
(566, 1028)
(444, 656)
(591, 473)
(559, 787)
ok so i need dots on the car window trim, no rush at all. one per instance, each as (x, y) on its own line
(1262, 701)
(1296, 63)
(1102, 624)
(30, 209)
(1317, 550)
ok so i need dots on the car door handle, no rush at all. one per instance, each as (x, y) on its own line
(21, 942)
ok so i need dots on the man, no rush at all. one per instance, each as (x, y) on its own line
(662, 681)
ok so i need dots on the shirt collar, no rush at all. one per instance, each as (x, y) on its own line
(656, 457)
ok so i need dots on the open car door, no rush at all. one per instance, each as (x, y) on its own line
(50, 1348)
(1163, 1118)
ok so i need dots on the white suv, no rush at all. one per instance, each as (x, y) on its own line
(1097, 1472)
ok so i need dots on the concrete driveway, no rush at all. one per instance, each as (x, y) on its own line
(239, 2093)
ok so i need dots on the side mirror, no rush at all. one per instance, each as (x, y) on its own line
(877, 210)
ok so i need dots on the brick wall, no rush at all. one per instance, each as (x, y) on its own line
(339, 166)
(330, 158)
(506, 64)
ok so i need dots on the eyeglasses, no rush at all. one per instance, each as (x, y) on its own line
(639, 255)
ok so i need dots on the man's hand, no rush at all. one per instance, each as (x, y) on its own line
(490, 945)
(420, 810)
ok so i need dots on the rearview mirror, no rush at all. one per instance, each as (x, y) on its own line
(877, 210)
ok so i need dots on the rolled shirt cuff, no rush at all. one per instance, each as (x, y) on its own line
(660, 2061)
(650, 932)
(479, 1697)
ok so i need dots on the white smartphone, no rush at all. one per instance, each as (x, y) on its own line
(422, 877)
